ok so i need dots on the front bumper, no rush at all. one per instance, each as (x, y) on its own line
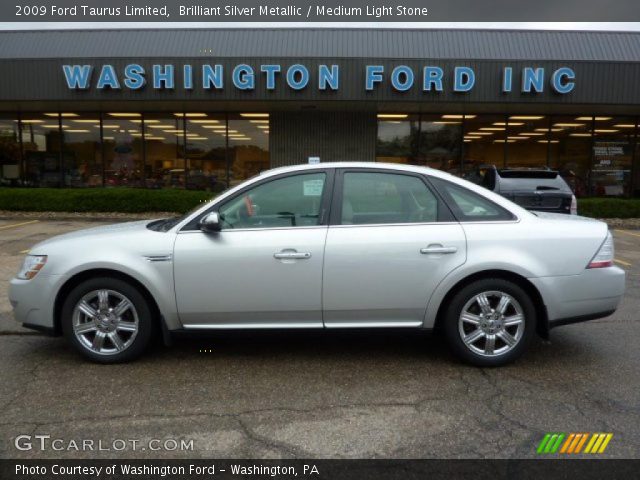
(33, 301)
(595, 293)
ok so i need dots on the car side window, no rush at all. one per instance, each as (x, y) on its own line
(293, 201)
(374, 198)
(469, 206)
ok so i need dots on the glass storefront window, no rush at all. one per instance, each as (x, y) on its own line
(206, 151)
(213, 151)
(123, 149)
(164, 148)
(248, 137)
(81, 150)
(484, 143)
(613, 144)
(527, 141)
(398, 137)
(440, 143)
(10, 156)
(570, 150)
(41, 143)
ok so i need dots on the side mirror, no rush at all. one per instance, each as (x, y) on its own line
(210, 223)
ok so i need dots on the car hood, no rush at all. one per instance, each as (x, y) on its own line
(121, 247)
(102, 231)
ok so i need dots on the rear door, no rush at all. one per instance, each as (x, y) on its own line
(390, 243)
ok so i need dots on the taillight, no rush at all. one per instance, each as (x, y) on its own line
(604, 257)
(574, 205)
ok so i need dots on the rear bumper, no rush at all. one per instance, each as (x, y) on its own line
(593, 294)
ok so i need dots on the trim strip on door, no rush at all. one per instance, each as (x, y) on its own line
(374, 324)
(248, 326)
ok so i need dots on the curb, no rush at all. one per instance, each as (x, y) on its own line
(85, 216)
(624, 223)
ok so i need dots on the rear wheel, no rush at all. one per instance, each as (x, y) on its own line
(490, 322)
(107, 320)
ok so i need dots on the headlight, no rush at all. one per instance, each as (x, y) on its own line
(31, 266)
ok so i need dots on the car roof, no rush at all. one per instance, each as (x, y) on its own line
(365, 165)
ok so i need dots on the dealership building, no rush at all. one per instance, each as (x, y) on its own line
(204, 109)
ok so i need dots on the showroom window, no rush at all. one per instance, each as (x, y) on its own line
(123, 149)
(527, 141)
(10, 154)
(594, 154)
(484, 142)
(613, 148)
(212, 151)
(81, 150)
(398, 138)
(439, 142)
(206, 151)
(248, 150)
(41, 144)
(570, 150)
(164, 164)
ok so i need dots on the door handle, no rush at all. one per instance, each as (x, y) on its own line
(292, 255)
(438, 249)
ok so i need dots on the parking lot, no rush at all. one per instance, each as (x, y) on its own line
(319, 395)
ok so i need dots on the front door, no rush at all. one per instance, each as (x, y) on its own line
(264, 269)
(390, 244)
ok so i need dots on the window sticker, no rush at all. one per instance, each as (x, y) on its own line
(312, 188)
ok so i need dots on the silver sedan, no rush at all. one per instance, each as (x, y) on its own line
(329, 246)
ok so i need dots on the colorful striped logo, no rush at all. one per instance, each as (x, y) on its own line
(571, 443)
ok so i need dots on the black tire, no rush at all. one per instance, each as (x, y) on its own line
(145, 324)
(452, 325)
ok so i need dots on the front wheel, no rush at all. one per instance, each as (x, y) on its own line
(107, 320)
(490, 322)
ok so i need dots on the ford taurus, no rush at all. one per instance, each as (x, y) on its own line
(328, 246)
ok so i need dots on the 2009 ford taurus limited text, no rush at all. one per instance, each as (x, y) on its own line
(329, 246)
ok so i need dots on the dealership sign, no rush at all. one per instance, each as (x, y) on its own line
(298, 77)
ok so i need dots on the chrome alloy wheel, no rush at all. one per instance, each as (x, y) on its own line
(105, 322)
(491, 323)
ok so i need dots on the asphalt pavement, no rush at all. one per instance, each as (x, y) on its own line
(272, 395)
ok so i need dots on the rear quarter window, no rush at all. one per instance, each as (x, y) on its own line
(469, 206)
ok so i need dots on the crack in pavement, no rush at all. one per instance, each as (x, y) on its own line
(251, 434)
(291, 450)
(171, 416)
